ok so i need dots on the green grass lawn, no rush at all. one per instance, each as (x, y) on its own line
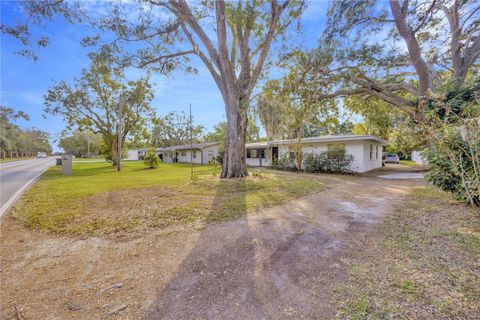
(421, 262)
(15, 159)
(97, 199)
(94, 159)
(408, 163)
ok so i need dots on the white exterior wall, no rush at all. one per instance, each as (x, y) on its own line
(186, 158)
(207, 153)
(266, 162)
(132, 155)
(375, 161)
(356, 149)
(360, 150)
(210, 153)
(167, 156)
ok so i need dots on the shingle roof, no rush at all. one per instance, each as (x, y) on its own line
(188, 146)
(319, 139)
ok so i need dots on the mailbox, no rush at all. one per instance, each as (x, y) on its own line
(67, 164)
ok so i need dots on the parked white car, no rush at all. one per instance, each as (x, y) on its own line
(41, 154)
(392, 158)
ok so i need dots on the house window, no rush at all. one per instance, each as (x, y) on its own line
(249, 154)
(254, 153)
(184, 153)
(371, 151)
(262, 153)
(210, 153)
(292, 155)
(194, 154)
(335, 149)
(376, 152)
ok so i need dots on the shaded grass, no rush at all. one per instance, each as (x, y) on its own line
(97, 199)
(421, 262)
(408, 163)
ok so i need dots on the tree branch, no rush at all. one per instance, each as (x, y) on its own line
(428, 14)
(208, 63)
(182, 10)
(166, 57)
(222, 42)
(276, 12)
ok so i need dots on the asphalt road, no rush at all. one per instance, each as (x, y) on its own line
(16, 176)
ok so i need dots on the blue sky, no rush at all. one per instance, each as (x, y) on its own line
(24, 82)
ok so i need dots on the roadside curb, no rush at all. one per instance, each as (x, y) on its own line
(19, 192)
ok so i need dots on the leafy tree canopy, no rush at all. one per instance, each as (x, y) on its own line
(400, 52)
(94, 102)
(175, 129)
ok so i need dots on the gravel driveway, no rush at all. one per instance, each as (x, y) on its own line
(281, 263)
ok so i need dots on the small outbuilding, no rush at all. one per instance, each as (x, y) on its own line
(365, 149)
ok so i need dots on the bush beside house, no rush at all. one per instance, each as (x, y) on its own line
(285, 162)
(151, 159)
(326, 161)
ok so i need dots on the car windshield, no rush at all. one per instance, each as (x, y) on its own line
(391, 155)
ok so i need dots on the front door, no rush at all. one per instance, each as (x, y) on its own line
(274, 155)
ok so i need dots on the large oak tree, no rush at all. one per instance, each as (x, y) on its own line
(401, 52)
(232, 39)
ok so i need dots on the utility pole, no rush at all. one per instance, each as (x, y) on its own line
(30, 141)
(88, 147)
(119, 147)
(191, 144)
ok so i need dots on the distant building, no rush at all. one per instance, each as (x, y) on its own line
(418, 158)
(199, 153)
(132, 155)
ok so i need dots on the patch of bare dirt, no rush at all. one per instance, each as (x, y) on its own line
(129, 213)
(281, 263)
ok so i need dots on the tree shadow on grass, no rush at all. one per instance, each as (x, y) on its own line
(215, 280)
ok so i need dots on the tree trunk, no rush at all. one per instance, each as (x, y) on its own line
(298, 150)
(234, 159)
(114, 153)
(423, 71)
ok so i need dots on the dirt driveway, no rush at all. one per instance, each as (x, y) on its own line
(281, 263)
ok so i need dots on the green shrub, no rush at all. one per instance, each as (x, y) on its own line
(454, 151)
(455, 159)
(328, 161)
(151, 159)
(285, 162)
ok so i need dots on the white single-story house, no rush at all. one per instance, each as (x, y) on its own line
(366, 150)
(199, 153)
